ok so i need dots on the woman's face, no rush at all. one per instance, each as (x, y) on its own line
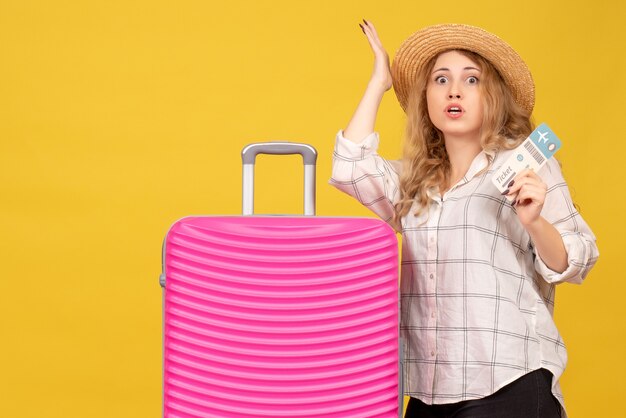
(454, 98)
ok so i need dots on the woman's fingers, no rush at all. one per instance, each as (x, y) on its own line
(525, 177)
(372, 36)
(370, 25)
(382, 72)
(526, 188)
(529, 194)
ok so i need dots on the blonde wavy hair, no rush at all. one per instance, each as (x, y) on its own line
(425, 162)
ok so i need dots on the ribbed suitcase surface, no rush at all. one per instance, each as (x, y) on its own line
(274, 316)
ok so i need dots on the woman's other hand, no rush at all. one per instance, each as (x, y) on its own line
(528, 192)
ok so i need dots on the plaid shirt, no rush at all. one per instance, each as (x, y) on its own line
(476, 300)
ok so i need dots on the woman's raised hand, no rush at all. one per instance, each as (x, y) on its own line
(382, 73)
(362, 122)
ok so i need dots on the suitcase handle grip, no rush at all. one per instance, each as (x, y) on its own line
(248, 157)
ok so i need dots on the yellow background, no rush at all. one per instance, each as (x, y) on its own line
(119, 117)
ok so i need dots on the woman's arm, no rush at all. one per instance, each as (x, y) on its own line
(362, 122)
(529, 192)
(358, 170)
(548, 244)
(563, 242)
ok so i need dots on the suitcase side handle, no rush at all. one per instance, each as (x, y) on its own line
(248, 157)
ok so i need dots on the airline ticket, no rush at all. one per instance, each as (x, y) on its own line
(533, 153)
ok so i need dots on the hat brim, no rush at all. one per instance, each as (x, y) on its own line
(417, 50)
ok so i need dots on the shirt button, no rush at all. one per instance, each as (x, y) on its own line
(432, 353)
(432, 315)
(432, 276)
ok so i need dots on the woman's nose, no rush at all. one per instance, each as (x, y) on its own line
(454, 90)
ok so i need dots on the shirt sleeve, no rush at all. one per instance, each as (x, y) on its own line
(359, 171)
(579, 241)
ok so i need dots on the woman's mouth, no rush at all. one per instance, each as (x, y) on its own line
(454, 111)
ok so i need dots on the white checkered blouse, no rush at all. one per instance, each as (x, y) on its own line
(476, 301)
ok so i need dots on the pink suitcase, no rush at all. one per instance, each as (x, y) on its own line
(280, 316)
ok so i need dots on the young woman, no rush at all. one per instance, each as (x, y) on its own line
(479, 268)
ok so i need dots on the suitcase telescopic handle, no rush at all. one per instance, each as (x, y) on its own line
(309, 158)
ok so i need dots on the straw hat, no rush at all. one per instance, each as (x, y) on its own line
(428, 42)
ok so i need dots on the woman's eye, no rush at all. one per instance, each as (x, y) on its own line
(472, 80)
(441, 80)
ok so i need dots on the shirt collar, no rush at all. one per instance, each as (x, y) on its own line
(480, 163)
